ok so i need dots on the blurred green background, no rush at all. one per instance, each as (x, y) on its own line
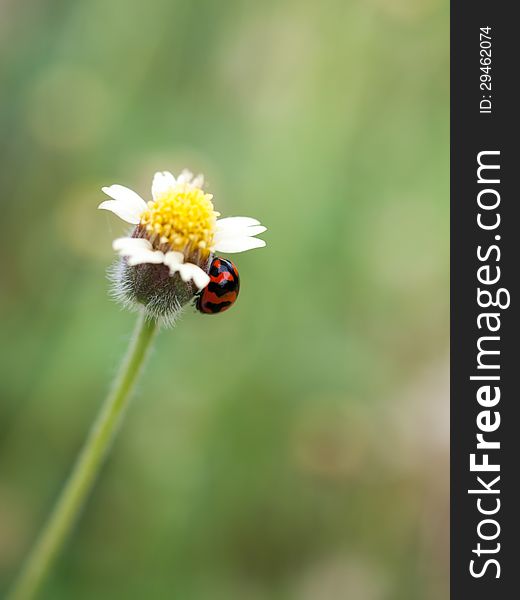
(295, 447)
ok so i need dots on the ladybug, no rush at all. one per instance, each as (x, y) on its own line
(222, 290)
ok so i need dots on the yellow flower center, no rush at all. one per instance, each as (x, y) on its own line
(182, 217)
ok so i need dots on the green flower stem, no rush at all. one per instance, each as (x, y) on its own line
(88, 464)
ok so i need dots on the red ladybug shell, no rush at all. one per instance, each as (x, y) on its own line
(222, 290)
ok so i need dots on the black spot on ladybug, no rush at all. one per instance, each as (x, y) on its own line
(212, 308)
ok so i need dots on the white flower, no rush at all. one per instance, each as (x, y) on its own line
(179, 227)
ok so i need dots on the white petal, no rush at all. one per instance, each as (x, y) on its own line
(239, 244)
(235, 222)
(198, 181)
(189, 271)
(137, 251)
(122, 210)
(126, 243)
(200, 279)
(139, 257)
(173, 260)
(227, 234)
(162, 182)
(126, 204)
(124, 194)
(185, 177)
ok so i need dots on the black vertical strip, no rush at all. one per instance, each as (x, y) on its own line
(475, 536)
